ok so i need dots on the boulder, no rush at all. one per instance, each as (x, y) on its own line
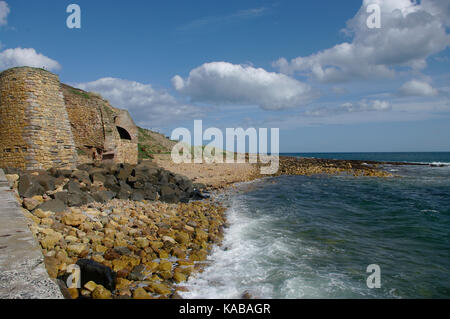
(81, 176)
(137, 274)
(140, 293)
(28, 187)
(138, 196)
(169, 194)
(53, 205)
(62, 196)
(31, 203)
(101, 292)
(46, 181)
(103, 196)
(73, 219)
(98, 273)
(73, 187)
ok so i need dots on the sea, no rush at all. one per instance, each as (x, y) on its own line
(336, 237)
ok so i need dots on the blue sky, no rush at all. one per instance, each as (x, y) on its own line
(311, 68)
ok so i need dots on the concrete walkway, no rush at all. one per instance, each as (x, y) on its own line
(22, 271)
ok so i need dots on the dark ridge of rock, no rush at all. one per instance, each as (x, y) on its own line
(103, 182)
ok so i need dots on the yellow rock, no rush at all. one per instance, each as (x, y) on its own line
(120, 243)
(185, 262)
(73, 219)
(98, 258)
(47, 221)
(165, 266)
(163, 254)
(140, 293)
(76, 248)
(200, 235)
(90, 286)
(101, 292)
(179, 277)
(49, 241)
(29, 215)
(182, 238)
(151, 266)
(122, 283)
(142, 242)
(166, 275)
(73, 293)
(41, 214)
(72, 239)
(119, 264)
(159, 288)
(100, 249)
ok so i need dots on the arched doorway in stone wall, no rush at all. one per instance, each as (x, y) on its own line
(124, 135)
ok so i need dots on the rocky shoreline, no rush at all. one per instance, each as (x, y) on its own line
(135, 231)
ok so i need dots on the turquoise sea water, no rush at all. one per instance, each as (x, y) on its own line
(314, 236)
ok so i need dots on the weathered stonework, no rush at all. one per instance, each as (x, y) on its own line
(44, 123)
(97, 127)
(34, 125)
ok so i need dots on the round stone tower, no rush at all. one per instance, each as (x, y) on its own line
(35, 131)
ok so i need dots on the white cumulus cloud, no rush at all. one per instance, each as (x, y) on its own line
(226, 83)
(410, 32)
(417, 88)
(149, 107)
(10, 58)
(4, 12)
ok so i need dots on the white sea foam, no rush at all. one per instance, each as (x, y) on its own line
(439, 164)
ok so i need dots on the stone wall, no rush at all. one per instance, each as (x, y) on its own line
(44, 123)
(35, 131)
(85, 117)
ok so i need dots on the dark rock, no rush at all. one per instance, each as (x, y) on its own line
(197, 195)
(63, 172)
(53, 205)
(111, 183)
(103, 196)
(183, 182)
(137, 196)
(73, 187)
(163, 177)
(124, 251)
(85, 167)
(169, 194)
(98, 273)
(46, 181)
(87, 198)
(111, 254)
(124, 172)
(81, 176)
(125, 187)
(74, 200)
(137, 274)
(98, 178)
(62, 196)
(199, 186)
(150, 193)
(27, 186)
(124, 195)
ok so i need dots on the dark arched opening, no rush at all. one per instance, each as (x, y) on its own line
(124, 135)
